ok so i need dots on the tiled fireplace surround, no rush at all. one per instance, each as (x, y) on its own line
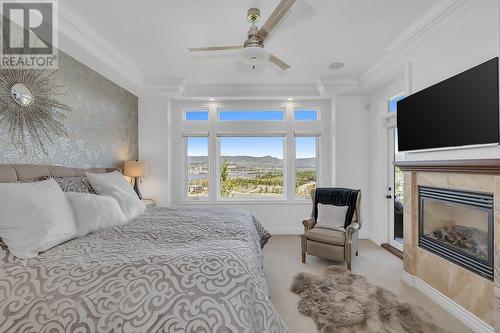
(476, 294)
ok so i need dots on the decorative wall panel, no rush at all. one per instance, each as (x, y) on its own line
(102, 126)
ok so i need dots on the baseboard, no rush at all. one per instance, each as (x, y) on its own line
(470, 320)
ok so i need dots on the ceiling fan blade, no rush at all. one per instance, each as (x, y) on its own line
(278, 62)
(276, 16)
(215, 48)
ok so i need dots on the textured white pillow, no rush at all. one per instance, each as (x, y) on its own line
(331, 217)
(114, 185)
(34, 217)
(101, 182)
(94, 212)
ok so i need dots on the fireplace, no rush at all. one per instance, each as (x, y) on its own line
(458, 226)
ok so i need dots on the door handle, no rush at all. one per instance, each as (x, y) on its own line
(388, 196)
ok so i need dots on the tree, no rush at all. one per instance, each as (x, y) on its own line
(226, 184)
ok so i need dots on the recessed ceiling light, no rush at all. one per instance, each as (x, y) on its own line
(336, 65)
(211, 99)
(290, 99)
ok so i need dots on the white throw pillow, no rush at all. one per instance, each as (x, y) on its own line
(94, 212)
(104, 181)
(331, 217)
(114, 185)
(34, 217)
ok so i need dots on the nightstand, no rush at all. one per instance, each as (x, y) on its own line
(150, 203)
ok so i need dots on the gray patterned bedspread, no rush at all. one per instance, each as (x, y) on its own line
(170, 270)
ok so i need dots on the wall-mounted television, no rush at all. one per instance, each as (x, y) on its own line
(460, 111)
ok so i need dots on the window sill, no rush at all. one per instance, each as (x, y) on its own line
(246, 202)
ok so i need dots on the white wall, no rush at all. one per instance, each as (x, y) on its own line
(471, 40)
(351, 162)
(153, 145)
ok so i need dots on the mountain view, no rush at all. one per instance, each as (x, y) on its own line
(250, 176)
(255, 162)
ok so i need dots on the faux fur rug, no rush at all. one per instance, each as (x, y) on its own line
(342, 302)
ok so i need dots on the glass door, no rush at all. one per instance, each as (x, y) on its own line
(395, 177)
(395, 193)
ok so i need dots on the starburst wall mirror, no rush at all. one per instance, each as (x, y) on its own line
(29, 105)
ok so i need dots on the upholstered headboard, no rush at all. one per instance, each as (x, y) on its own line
(15, 172)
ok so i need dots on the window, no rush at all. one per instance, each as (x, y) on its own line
(251, 115)
(196, 114)
(305, 115)
(251, 167)
(197, 167)
(305, 165)
(393, 103)
(250, 152)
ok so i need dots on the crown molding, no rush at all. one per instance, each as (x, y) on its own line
(324, 87)
(83, 41)
(333, 86)
(439, 17)
(251, 90)
(436, 19)
(167, 85)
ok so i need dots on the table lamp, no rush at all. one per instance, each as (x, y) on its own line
(136, 169)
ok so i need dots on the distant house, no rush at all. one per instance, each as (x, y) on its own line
(195, 189)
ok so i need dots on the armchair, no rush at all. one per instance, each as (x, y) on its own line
(335, 244)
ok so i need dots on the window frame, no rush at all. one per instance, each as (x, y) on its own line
(322, 128)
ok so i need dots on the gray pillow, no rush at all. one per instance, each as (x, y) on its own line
(79, 184)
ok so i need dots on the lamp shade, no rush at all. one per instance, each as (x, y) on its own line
(135, 169)
(254, 55)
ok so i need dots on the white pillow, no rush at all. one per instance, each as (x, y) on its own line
(94, 212)
(103, 181)
(331, 217)
(34, 217)
(114, 185)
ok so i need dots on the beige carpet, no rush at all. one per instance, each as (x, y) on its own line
(282, 263)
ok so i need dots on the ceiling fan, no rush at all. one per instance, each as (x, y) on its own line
(253, 51)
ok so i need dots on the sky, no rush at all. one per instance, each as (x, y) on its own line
(393, 103)
(253, 146)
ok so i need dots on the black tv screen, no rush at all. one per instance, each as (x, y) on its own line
(460, 111)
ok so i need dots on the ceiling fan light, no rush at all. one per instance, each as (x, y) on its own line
(254, 55)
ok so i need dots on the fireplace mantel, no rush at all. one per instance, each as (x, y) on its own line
(475, 166)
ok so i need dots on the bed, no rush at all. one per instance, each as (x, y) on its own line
(168, 270)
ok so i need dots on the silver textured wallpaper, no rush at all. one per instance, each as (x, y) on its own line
(102, 126)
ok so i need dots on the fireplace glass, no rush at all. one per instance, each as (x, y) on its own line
(458, 226)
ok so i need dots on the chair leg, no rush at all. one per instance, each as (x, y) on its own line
(349, 265)
(357, 253)
(303, 257)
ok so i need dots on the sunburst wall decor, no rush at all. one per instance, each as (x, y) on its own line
(28, 103)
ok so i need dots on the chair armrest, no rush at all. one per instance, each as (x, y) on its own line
(348, 248)
(309, 223)
(351, 230)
